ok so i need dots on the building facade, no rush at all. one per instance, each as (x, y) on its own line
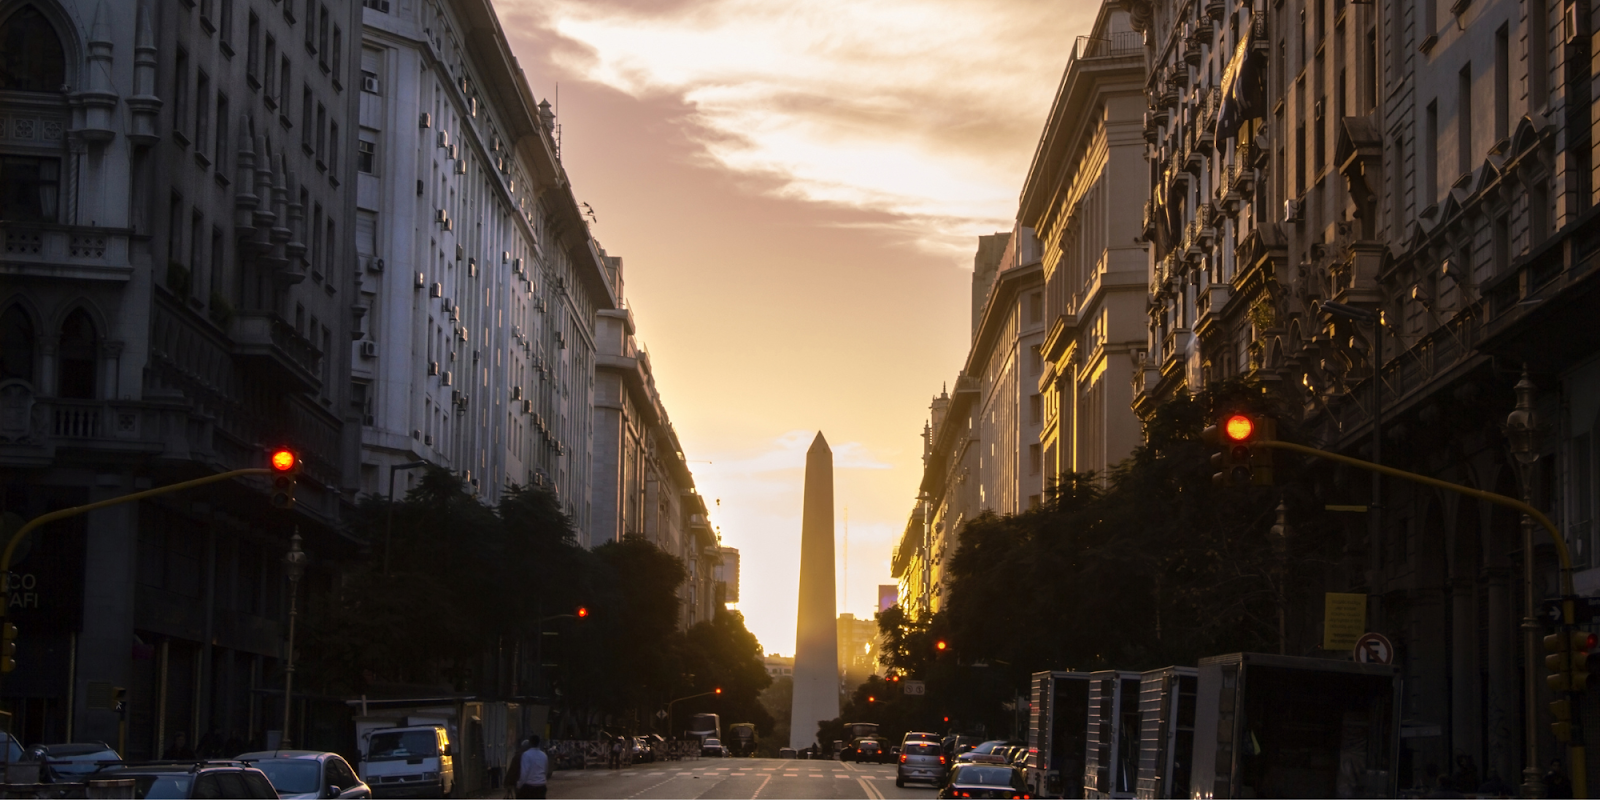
(1094, 268)
(177, 295)
(858, 651)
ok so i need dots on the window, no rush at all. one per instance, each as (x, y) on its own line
(197, 223)
(331, 257)
(1036, 307)
(322, 37)
(270, 79)
(78, 351)
(222, 133)
(225, 24)
(1464, 121)
(316, 242)
(1430, 153)
(333, 148)
(17, 345)
(252, 50)
(1035, 409)
(202, 113)
(1035, 460)
(366, 155)
(305, 118)
(217, 286)
(338, 55)
(311, 25)
(174, 228)
(180, 95)
(33, 59)
(1502, 84)
(30, 188)
(322, 132)
(283, 87)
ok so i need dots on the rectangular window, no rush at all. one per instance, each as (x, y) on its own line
(1538, 53)
(366, 155)
(283, 87)
(306, 117)
(174, 228)
(1321, 138)
(333, 148)
(180, 95)
(1035, 409)
(1430, 19)
(222, 133)
(316, 241)
(270, 77)
(30, 188)
(338, 56)
(225, 25)
(331, 258)
(1430, 154)
(202, 113)
(1375, 76)
(322, 133)
(252, 52)
(1036, 307)
(197, 226)
(1502, 84)
(1035, 459)
(219, 291)
(1464, 121)
(322, 37)
(311, 25)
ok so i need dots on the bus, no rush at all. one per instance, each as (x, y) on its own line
(743, 744)
(705, 726)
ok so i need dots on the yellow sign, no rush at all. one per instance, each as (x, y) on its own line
(1344, 619)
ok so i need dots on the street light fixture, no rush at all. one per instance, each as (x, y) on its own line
(294, 566)
(1523, 432)
(388, 523)
(672, 703)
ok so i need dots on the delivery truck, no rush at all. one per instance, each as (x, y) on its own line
(1286, 726)
(1057, 723)
(1112, 738)
(1166, 732)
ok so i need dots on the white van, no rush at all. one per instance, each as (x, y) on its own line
(409, 761)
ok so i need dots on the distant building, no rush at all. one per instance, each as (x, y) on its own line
(727, 576)
(780, 666)
(858, 650)
(888, 595)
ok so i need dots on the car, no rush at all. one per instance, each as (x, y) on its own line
(920, 761)
(955, 745)
(70, 762)
(975, 757)
(864, 750)
(180, 780)
(919, 737)
(639, 750)
(711, 747)
(409, 761)
(788, 752)
(984, 780)
(308, 774)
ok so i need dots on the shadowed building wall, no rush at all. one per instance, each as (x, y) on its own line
(816, 659)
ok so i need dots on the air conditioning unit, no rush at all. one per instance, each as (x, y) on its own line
(472, 268)
(455, 397)
(433, 368)
(472, 107)
(1291, 211)
(516, 393)
(516, 266)
(426, 120)
(461, 166)
(422, 280)
(368, 419)
(449, 226)
(505, 255)
(455, 314)
(369, 349)
(527, 406)
(444, 305)
(494, 144)
(441, 215)
(446, 378)
(374, 264)
(461, 252)
(464, 334)
(444, 138)
(437, 290)
(428, 440)
(369, 84)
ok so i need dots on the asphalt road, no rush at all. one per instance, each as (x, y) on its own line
(737, 778)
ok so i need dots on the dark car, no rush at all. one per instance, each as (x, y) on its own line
(984, 780)
(70, 762)
(308, 774)
(864, 750)
(921, 761)
(182, 780)
(955, 745)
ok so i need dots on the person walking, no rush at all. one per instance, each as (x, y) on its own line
(533, 775)
(514, 770)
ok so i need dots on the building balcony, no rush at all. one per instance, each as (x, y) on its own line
(34, 428)
(269, 341)
(64, 252)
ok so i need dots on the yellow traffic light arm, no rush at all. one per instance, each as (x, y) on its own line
(1499, 499)
(16, 538)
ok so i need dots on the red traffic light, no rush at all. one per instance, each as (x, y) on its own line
(940, 645)
(283, 459)
(582, 612)
(871, 699)
(719, 690)
(1238, 427)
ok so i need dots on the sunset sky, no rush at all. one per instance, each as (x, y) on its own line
(796, 188)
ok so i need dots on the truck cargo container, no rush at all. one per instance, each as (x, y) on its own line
(1057, 724)
(1166, 732)
(1285, 726)
(1111, 754)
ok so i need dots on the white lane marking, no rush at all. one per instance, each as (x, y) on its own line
(870, 789)
(842, 777)
(764, 781)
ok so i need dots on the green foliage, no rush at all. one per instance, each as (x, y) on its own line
(778, 700)
(1151, 567)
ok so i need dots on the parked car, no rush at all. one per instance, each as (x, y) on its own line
(788, 752)
(975, 757)
(984, 780)
(711, 747)
(640, 752)
(178, 781)
(954, 745)
(70, 762)
(409, 761)
(308, 774)
(921, 761)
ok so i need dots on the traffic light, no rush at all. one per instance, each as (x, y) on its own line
(719, 690)
(1237, 460)
(285, 467)
(583, 612)
(8, 647)
(940, 645)
(1562, 727)
(1568, 661)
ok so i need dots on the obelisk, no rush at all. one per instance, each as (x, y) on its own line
(816, 649)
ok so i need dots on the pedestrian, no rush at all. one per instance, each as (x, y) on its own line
(514, 769)
(533, 774)
(1555, 781)
(616, 753)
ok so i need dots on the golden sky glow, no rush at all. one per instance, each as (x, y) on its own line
(796, 188)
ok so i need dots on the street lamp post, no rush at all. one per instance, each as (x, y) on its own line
(294, 565)
(672, 703)
(1522, 429)
(388, 522)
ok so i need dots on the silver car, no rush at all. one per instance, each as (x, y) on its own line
(921, 761)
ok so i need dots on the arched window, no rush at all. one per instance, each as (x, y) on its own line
(16, 345)
(31, 56)
(80, 350)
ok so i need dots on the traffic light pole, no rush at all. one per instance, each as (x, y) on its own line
(16, 538)
(1575, 751)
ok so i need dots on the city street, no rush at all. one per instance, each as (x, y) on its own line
(736, 778)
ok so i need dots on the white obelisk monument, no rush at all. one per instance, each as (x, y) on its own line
(816, 653)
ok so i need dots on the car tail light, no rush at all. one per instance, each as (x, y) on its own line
(902, 759)
(941, 759)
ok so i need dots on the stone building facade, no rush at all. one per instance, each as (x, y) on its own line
(176, 300)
